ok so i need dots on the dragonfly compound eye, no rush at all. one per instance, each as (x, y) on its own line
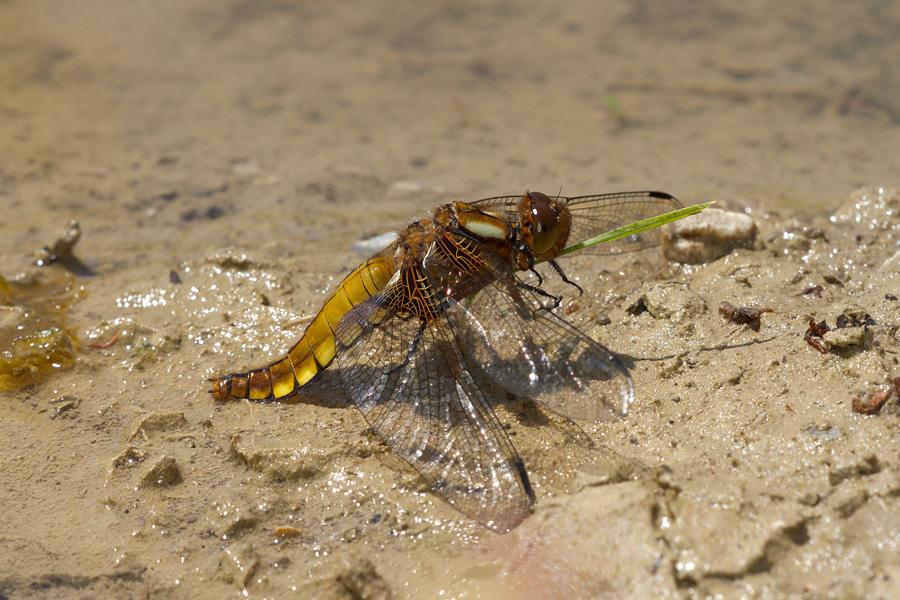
(541, 229)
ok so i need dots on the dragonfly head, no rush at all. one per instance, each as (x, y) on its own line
(544, 223)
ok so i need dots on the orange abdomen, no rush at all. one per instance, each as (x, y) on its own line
(315, 350)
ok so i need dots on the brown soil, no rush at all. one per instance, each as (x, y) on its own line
(222, 157)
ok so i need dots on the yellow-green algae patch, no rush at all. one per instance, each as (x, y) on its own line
(34, 338)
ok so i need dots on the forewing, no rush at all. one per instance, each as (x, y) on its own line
(594, 215)
(408, 379)
(597, 214)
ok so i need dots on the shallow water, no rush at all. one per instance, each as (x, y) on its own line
(222, 158)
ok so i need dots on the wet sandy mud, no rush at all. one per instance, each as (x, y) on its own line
(222, 159)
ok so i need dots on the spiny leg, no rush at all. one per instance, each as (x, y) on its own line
(559, 270)
(540, 292)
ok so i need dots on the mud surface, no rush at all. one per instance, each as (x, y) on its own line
(222, 158)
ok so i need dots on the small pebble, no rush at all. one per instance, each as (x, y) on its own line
(709, 235)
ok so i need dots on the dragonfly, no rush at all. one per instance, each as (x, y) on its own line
(422, 330)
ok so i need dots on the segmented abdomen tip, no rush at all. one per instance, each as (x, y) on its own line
(217, 387)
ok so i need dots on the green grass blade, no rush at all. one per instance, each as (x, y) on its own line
(638, 227)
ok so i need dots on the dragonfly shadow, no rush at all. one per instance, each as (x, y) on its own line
(324, 390)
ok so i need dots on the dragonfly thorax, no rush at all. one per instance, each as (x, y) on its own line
(483, 224)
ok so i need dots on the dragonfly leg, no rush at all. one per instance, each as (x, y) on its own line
(559, 270)
(540, 292)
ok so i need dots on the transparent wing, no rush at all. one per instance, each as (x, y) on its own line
(408, 379)
(593, 215)
(534, 354)
(510, 337)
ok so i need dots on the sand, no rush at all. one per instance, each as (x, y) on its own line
(222, 159)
